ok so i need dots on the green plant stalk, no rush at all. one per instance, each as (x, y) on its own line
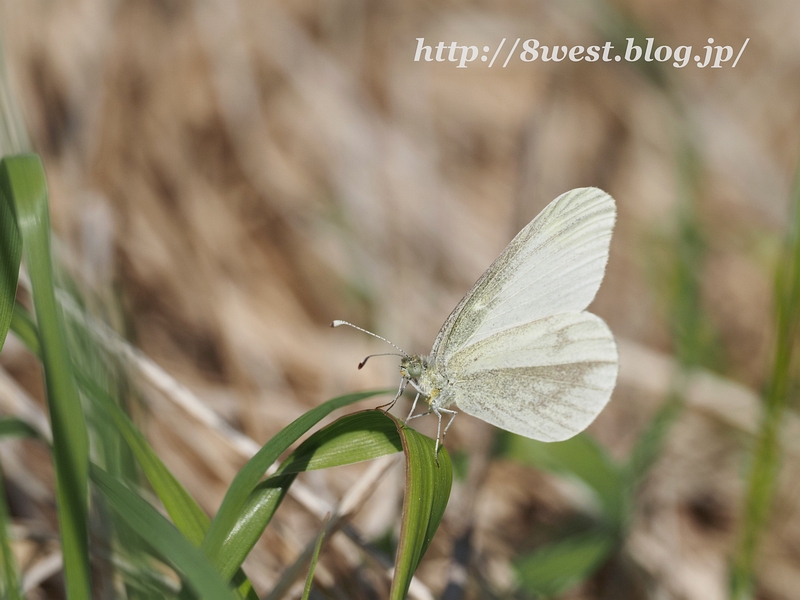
(648, 447)
(10, 588)
(14, 427)
(22, 179)
(187, 514)
(13, 135)
(314, 558)
(767, 452)
(9, 582)
(163, 537)
(24, 327)
(10, 256)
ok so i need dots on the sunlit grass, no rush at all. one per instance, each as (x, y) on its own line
(779, 391)
(206, 553)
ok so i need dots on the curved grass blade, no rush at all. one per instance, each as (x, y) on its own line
(187, 515)
(22, 180)
(10, 588)
(314, 558)
(184, 511)
(427, 491)
(10, 257)
(353, 438)
(553, 569)
(251, 473)
(24, 327)
(581, 457)
(14, 427)
(163, 537)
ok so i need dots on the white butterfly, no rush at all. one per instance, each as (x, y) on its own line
(519, 351)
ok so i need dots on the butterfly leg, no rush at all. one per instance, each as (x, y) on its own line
(388, 406)
(453, 415)
(439, 435)
(412, 416)
(425, 414)
(413, 407)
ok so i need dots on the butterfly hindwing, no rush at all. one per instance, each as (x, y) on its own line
(545, 380)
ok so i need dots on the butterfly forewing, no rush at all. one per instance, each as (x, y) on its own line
(554, 265)
(546, 380)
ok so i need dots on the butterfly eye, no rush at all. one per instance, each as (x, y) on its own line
(414, 369)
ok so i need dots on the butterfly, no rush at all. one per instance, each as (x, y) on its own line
(520, 351)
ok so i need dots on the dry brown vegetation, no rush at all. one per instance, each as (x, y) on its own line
(228, 177)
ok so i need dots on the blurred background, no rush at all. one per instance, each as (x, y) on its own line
(227, 177)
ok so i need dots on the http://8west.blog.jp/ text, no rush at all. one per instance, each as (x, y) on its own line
(713, 56)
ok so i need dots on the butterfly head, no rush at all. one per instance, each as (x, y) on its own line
(412, 367)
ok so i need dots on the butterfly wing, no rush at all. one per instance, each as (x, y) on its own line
(546, 380)
(554, 265)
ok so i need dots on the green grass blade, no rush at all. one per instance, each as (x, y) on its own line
(163, 537)
(10, 588)
(187, 515)
(696, 340)
(24, 327)
(14, 427)
(767, 451)
(22, 180)
(353, 438)
(427, 491)
(650, 443)
(314, 558)
(248, 476)
(184, 511)
(10, 257)
(552, 570)
(581, 457)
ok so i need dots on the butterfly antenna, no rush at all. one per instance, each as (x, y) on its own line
(337, 323)
(363, 362)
